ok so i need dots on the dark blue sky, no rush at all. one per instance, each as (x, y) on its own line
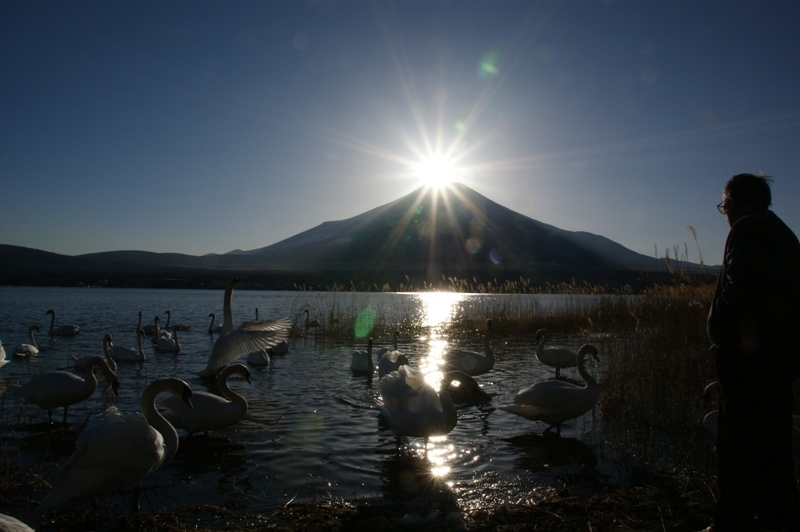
(203, 127)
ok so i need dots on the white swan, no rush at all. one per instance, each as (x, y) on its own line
(158, 332)
(168, 345)
(411, 406)
(213, 328)
(390, 360)
(3, 360)
(259, 358)
(26, 350)
(471, 362)
(383, 350)
(557, 357)
(82, 363)
(209, 411)
(362, 361)
(556, 401)
(118, 449)
(250, 336)
(62, 388)
(127, 354)
(62, 330)
(180, 326)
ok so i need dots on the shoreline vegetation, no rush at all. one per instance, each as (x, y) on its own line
(656, 363)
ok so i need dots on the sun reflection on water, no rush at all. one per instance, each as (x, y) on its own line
(438, 310)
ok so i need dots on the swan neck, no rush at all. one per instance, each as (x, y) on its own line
(33, 340)
(585, 375)
(226, 391)
(227, 312)
(158, 422)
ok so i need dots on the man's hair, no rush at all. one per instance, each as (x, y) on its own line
(749, 189)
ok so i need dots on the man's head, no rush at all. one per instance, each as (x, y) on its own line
(743, 194)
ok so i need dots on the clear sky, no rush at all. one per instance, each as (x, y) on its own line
(207, 126)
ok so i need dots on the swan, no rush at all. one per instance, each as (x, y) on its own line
(259, 358)
(389, 359)
(3, 360)
(248, 337)
(557, 357)
(82, 363)
(62, 388)
(180, 326)
(158, 332)
(471, 362)
(213, 328)
(383, 350)
(311, 323)
(119, 449)
(128, 354)
(362, 361)
(62, 330)
(556, 401)
(167, 344)
(411, 406)
(210, 411)
(26, 350)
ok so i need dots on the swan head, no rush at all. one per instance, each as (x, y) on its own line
(588, 350)
(51, 311)
(140, 332)
(238, 369)
(212, 315)
(34, 328)
(540, 334)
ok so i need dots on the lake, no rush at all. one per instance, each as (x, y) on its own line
(312, 429)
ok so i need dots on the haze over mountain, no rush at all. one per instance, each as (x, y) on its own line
(424, 236)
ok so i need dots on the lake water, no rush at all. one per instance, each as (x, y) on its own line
(312, 430)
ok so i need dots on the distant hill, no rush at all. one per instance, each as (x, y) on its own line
(421, 237)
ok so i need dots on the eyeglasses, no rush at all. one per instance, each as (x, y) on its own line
(723, 206)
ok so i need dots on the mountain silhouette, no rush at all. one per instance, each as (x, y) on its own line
(425, 236)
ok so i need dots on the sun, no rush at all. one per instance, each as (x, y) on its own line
(436, 171)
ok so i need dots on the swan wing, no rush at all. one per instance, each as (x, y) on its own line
(250, 337)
